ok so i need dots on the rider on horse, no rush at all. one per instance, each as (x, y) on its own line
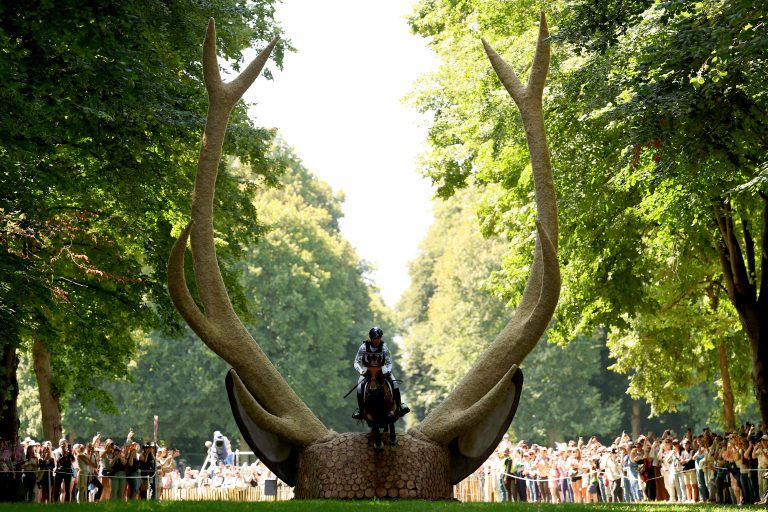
(375, 349)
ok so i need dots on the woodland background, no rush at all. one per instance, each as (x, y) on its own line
(656, 114)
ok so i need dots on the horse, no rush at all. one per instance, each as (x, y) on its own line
(379, 407)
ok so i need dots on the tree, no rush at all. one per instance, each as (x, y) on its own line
(645, 110)
(103, 110)
(451, 307)
(677, 129)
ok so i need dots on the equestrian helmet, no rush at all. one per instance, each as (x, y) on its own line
(375, 332)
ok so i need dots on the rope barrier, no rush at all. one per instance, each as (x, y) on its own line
(599, 474)
(53, 472)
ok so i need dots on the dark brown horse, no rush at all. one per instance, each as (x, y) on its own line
(379, 407)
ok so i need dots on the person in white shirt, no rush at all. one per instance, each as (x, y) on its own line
(614, 472)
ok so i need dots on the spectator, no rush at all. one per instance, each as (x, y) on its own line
(93, 470)
(700, 458)
(500, 471)
(690, 487)
(574, 466)
(613, 472)
(29, 476)
(188, 481)
(117, 473)
(593, 488)
(760, 452)
(46, 466)
(147, 465)
(106, 469)
(64, 460)
(132, 474)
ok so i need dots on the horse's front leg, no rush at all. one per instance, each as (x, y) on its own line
(377, 444)
(392, 435)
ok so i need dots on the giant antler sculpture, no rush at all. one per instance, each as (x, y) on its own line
(461, 432)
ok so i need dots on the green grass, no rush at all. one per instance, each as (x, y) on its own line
(352, 506)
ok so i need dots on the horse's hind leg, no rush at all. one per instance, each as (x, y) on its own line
(392, 435)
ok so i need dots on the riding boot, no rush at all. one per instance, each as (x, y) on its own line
(403, 408)
(358, 415)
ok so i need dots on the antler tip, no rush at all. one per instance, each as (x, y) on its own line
(543, 23)
(489, 51)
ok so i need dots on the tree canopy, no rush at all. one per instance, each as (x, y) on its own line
(657, 121)
(451, 313)
(104, 107)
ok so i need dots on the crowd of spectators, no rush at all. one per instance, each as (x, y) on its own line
(725, 468)
(102, 469)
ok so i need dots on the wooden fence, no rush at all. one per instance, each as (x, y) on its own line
(225, 494)
(468, 490)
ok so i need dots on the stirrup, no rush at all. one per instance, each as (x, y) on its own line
(404, 409)
(357, 415)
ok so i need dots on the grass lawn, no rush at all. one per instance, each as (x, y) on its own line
(353, 506)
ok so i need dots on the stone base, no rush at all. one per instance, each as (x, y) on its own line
(345, 467)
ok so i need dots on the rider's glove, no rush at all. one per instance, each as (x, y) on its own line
(363, 372)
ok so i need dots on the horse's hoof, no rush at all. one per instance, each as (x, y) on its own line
(393, 442)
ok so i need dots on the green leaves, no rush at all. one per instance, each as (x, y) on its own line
(308, 305)
(654, 111)
(100, 135)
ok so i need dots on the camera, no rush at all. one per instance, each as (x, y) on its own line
(219, 443)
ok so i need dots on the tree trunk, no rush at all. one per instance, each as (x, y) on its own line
(9, 391)
(50, 399)
(741, 277)
(635, 419)
(758, 348)
(728, 411)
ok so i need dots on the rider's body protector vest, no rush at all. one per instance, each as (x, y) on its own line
(367, 354)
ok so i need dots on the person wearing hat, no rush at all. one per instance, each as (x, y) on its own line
(500, 470)
(614, 473)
